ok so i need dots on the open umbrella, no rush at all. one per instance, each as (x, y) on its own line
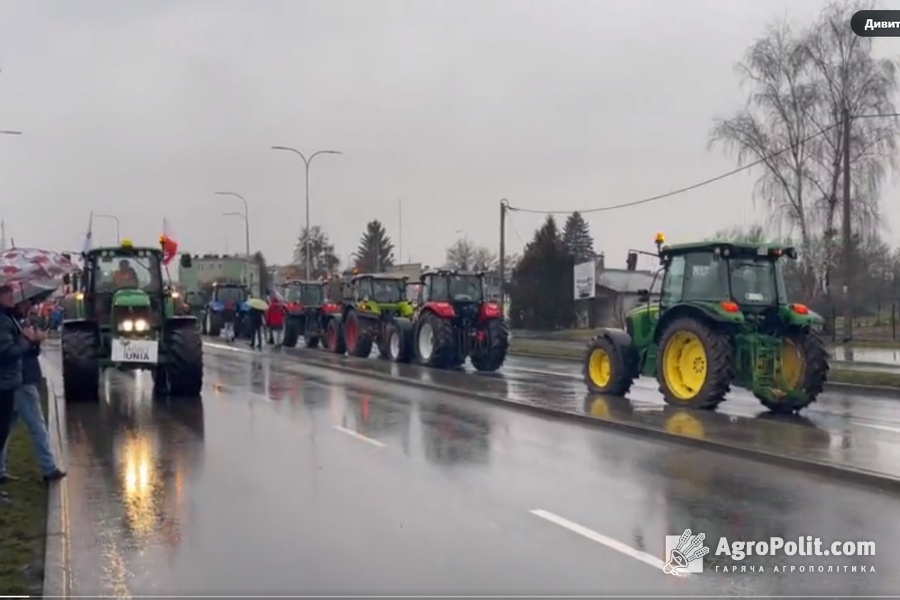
(37, 290)
(258, 304)
(28, 264)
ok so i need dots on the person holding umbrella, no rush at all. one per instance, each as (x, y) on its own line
(28, 396)
(256, 313)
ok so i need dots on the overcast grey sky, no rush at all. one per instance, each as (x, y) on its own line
(144, 108)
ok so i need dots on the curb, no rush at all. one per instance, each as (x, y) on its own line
(883, 482)
(830, 386)
(57, 568)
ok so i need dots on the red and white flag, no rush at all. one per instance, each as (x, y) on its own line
(168, 243)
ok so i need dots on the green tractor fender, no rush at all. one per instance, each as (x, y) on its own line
(710, 312)
(800, 317)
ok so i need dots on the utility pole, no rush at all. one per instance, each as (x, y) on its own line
(2, 234)
(504, 206)
(400, 229)
(848, 245)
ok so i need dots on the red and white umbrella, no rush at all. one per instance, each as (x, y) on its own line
(28, 264)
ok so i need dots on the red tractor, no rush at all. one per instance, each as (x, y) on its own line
(308, 312)
(453, 321)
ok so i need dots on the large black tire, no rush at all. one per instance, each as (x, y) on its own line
(80, 365)
(716, 362)
(812, 376)
(203, 328)
(441, 352)
(398, 341)
(335, 336)
(214, 325)
(291, 332)
(183, 372)
(489, 355)
(606, 369)
(358, 335)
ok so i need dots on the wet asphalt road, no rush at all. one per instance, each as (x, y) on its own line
(291, 479)
(849, 429)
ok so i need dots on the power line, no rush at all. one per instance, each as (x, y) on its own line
(702, 183)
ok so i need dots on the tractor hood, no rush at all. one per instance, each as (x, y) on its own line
(131, 299)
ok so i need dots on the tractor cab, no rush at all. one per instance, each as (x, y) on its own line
(299, 294)
(380, 288)
(462, 292)
(122, 287)
(228, 296)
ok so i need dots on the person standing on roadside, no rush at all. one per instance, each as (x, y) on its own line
(275, 321)
(14, 343)
(28, 408)
(255, 318)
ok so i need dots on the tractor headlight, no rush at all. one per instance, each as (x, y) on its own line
(141, 325)
(127, 325)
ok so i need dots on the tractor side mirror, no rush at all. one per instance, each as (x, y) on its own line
(186, 262)
(643, 295)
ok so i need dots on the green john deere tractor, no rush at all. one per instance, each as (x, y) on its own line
(372, 304)
(721, 318)
(123, 316)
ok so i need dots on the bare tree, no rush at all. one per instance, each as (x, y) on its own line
(850, 78)
(467, 256)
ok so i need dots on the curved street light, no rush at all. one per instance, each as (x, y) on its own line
(246, 217)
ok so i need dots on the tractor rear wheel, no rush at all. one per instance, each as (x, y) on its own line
(490, 353)
(804, 367)
(696, 364)
(214, 323)
(435, 344)
(335, 337)
(182, 375)
(605, 369)
(399, 341)
(80, 367)
(357, 335)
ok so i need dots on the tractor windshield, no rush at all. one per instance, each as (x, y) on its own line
(308, 295)
(134, 270)
(757, 280)
(459, 288)
(233, 295)
(389, 291)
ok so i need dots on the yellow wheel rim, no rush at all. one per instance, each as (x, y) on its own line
(684, 365)
(599, 368)
(792, 364)
(686, 425)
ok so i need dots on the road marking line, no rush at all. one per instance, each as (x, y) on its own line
(592, 535)
(360, 436)
(881, 427)
(232, 348)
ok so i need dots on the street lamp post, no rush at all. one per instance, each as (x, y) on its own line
(118, 225)
(246, 217)
(306, 162)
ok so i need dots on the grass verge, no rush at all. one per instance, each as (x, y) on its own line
(23, 524)
(525, 347)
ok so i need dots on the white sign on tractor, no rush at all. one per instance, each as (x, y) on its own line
(135, 351)
(585, 276)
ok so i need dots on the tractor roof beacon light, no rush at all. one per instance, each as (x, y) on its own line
(660, 240)
(127, 243)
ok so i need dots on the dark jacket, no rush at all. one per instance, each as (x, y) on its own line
(31, 365)
(256, 318)
(13, 347)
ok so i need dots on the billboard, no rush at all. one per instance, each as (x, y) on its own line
(585, 280)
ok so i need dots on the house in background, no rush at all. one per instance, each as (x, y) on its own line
(616, 295)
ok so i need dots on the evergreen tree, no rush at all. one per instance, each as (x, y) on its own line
(376, 251)
(260, 260)
(323, 259)
(541, 291)
(577, 238)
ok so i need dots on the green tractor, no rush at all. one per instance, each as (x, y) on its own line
(722, 318)
(371, 304)
(123, 316)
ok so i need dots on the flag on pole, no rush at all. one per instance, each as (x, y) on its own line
(88, 244)
(168, 243)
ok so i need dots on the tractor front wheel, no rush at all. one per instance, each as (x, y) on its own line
(335, 337)
(605, 369)
(80, 367)
(493, 344)
(214, 323)
(182, 375)
(804, 368)
(291, 332)
(399, 341)
(357, 335)
(435, 345)
(696, 364)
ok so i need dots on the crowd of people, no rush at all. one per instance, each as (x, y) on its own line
(21, 379)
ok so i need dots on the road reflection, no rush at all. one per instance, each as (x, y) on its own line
(455, 435)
